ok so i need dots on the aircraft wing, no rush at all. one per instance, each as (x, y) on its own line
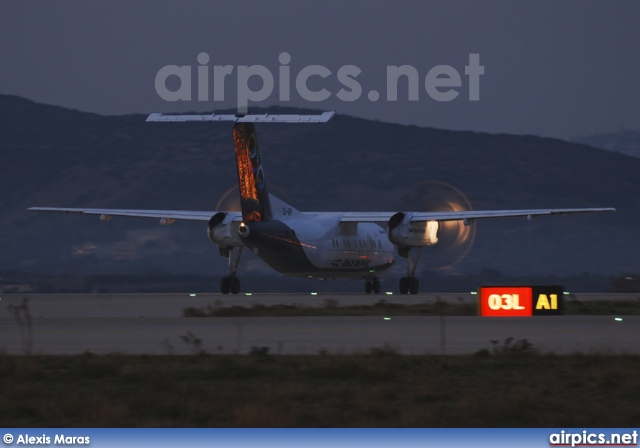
(468, 216)
(108, 213)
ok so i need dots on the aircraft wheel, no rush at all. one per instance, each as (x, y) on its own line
(235, 285)
(376, 286)
(414, 285)
(225, 285)
(404, 285)
(368, 287)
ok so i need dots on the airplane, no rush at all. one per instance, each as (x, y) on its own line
(318, 245)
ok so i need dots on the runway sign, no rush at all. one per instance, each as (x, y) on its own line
(519, 301)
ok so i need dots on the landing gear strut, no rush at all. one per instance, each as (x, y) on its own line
(410, 283)
(372, 285)
(231, 283)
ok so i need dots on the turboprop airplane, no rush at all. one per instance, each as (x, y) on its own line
(324, 245)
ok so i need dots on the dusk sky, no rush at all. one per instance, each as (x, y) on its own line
(560, 69)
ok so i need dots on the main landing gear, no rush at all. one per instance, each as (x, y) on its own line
(372, 285)
(231, 283)
(410, 283)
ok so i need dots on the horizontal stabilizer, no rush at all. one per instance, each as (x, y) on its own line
(247, 118)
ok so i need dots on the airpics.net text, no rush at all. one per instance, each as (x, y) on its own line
(256, 83)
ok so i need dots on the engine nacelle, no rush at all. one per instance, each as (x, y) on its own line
(403, 232)
(223, 231)
(243, 230)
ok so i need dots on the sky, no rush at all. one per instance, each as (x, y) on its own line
(558, 69)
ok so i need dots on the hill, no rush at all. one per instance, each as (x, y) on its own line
(625, 142)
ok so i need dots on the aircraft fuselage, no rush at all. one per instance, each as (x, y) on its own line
(320, 246)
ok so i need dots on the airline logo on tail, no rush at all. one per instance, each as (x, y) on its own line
(254, 198)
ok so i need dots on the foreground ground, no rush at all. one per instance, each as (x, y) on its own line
(509, 385)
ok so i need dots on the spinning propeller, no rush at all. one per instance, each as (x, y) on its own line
(454, 238)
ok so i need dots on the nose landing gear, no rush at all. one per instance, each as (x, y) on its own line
(372, 285)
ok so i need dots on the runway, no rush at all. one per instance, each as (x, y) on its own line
(153, 324)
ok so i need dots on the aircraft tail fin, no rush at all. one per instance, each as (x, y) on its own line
(254, 195)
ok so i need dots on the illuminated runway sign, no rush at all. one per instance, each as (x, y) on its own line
(517, 301)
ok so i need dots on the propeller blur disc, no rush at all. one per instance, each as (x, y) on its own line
(454, 238)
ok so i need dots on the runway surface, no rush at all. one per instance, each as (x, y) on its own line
(153, 324)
